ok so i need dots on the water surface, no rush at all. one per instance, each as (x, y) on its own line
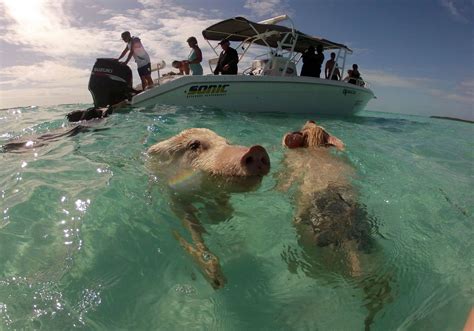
(86, 231)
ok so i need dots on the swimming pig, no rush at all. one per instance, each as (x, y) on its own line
(327, 208)
(201, 167)
(333, 228)
(25, 144)
(202, 149)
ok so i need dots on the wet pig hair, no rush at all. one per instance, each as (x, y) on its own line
(314, 135)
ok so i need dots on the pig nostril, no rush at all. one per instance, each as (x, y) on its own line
(249, 160)
(264, 161)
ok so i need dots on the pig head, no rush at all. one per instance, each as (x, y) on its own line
(202, 149)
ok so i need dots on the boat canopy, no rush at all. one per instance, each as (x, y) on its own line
(240, 29)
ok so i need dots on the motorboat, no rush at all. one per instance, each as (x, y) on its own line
(269, 82)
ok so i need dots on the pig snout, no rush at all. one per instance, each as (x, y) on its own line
(256, 161)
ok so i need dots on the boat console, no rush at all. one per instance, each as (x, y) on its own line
(272, 67)
(276, 67)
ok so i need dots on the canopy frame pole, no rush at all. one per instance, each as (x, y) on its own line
(292, 49)
(248, 42)
(212, 47)
(258, 36)
(343, 63)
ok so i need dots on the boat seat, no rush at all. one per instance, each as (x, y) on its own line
(257, 68)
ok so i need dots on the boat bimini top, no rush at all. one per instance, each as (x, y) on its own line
(282, 41)
(266, 33)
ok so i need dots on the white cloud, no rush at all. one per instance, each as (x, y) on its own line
(267, 8)
(43, 96)
(49, 74)
(43, 84)
(462, 93)
(467, 87)
(383, 78)
(51, 30)
(454, 8)
(164, 38)
(48, 29)
(43, 26)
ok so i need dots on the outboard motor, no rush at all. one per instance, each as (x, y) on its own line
(110, 82)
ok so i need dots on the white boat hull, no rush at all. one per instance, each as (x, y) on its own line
(259, 94)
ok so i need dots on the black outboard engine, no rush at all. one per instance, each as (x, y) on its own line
(110, 82)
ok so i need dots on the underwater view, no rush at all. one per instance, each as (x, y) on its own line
(93, 236)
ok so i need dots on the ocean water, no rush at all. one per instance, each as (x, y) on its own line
(86, 229)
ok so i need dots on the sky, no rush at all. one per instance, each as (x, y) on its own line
(416, 55)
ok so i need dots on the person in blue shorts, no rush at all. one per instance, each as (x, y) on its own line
(136, 49)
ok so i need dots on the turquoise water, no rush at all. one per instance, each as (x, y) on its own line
(86, 230)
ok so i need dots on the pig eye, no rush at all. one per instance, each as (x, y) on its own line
(193, 145)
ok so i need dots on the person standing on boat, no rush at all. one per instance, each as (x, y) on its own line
(136, 49)
(329, 66)
(195, 57)
(228, 59)
(312, 62)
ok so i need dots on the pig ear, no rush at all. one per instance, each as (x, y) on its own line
(165, 148)
(194, 145)
(336, 142)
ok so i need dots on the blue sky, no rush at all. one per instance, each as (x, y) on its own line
(417, 55)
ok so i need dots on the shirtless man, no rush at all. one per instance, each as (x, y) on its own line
(329, 65)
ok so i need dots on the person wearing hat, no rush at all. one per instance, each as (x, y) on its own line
(228, 59)
(134, 45)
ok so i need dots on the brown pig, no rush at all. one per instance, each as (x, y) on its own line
(334, 229)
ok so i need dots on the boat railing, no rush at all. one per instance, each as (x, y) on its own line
(157, 67)
(213, 63)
